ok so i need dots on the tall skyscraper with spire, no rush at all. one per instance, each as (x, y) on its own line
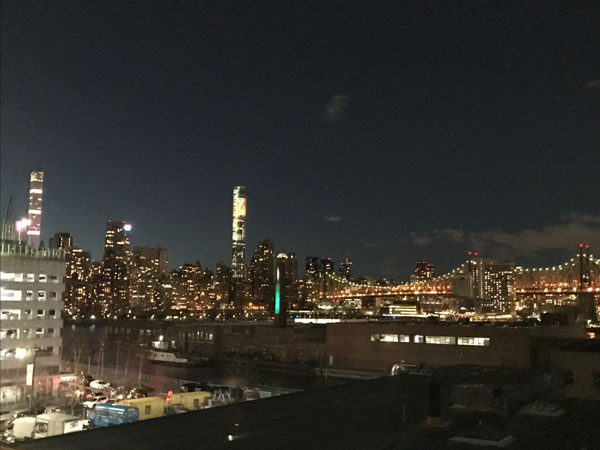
(238, 246)
(36, 190)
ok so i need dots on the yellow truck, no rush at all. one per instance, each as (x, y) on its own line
(149, 407)
(190, 401)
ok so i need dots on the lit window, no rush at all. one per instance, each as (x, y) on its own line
(441, 340)
(53, 279)
(476, 341)
(31, 278)
(404, 338)
(419, 339)
(42, 295)
(10, 295)
(42, 278)
(384, 338)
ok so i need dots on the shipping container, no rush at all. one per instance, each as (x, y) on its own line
(148, 407)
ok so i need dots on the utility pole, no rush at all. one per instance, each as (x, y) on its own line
(32, 378)
(140, 371)
(117, 363)
(102, 355)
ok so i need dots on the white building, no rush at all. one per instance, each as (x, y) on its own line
(31, 288)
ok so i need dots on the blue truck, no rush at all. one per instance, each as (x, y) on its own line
(105, 414)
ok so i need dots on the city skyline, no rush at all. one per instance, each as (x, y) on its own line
(367, 134)
(239, 229)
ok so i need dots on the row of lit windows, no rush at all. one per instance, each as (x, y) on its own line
(440, 340)
(14, 295)
(22, 353)
(28, 277)
(26, 333)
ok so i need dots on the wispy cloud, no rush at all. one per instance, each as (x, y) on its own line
(336, 108)
(332, 218)
(593, 84)
(529, 242)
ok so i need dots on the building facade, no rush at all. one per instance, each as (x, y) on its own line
(261, 272)
(424, 271)
(31, 320)
(117, 267)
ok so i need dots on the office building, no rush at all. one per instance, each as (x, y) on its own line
(261, 272)
(238, 245)
(31, 287)
(36, 190)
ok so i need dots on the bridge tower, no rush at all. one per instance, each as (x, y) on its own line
(586, 306)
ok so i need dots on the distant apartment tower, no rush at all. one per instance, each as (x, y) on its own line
(487, 279)
(150, 268)
(261, 270)
(288, 265)
(423, 271)
(60, 240)
(36, 191)
(115, 294)
(238, 247)
(345, 268)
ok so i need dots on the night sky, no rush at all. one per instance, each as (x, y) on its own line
(389, 132)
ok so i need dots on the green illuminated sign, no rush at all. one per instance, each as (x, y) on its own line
(277, 298)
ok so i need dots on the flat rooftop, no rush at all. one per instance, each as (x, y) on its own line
(385, 413)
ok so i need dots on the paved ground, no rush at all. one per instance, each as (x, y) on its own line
(385, 413)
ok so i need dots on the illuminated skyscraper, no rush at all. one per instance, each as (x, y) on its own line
(36, 189)
(238, 248)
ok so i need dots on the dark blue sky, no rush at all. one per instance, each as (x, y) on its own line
(388, 132)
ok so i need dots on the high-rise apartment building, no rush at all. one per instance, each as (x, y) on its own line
(287, 265)
(60, 240)
(36, 191)
(192, 288)
(117, 264)
(424, 271)
(238, 247)
(261, 272)
(345, 268)
(77, 296)
(222, 282)
(489, 280)
(150, 268)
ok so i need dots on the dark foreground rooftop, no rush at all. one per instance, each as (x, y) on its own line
(386, 413)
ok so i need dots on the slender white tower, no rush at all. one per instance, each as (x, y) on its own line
(36, 190)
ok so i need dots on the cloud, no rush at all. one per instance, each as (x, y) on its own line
(581, 218)
(593, 84)
(528, 242)
(445, 234)
(372, 244)
(332, 218)
(336, 107)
